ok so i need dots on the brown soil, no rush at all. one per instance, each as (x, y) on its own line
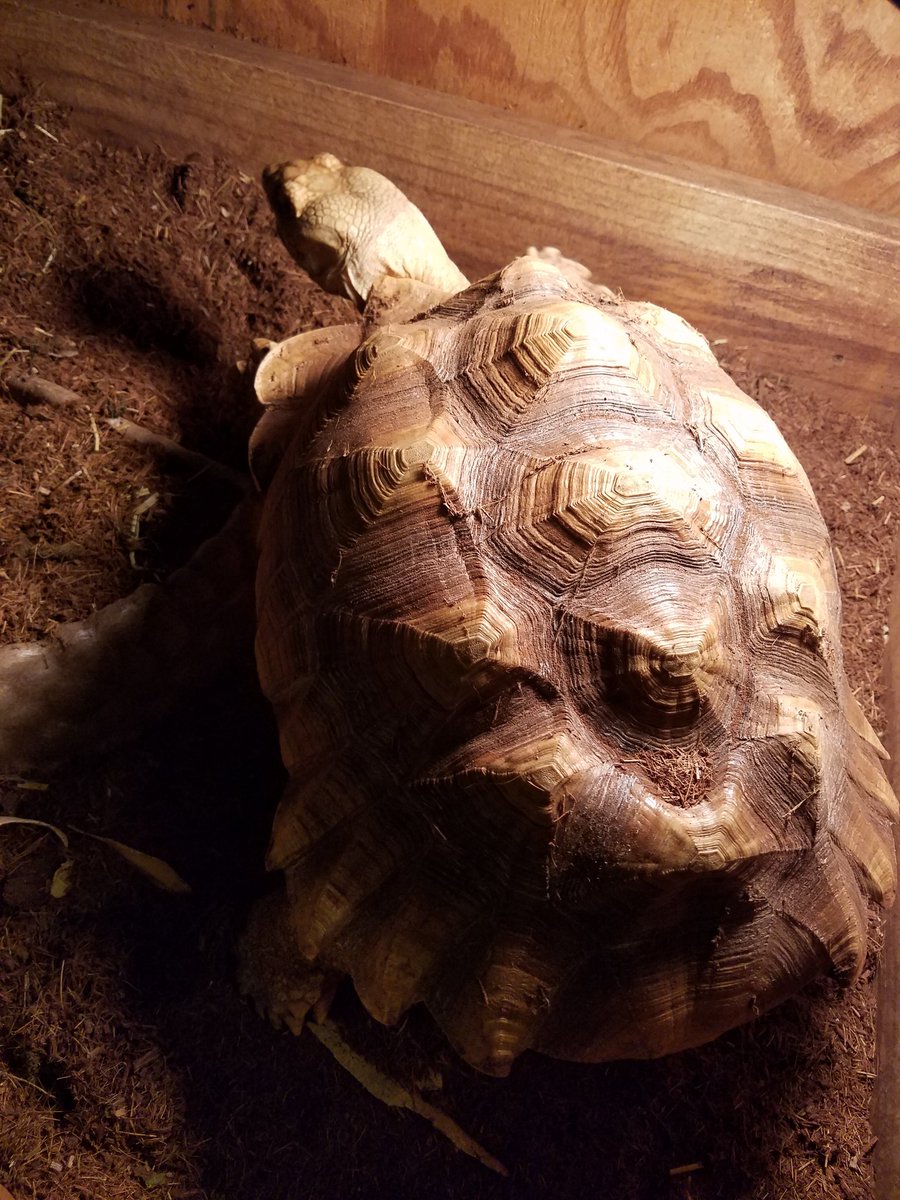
(129, 1067)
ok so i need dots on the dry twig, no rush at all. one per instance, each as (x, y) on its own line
(32, 389)
(168, 448)
(396, 1095)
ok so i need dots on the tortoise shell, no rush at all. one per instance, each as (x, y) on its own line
(549, 618)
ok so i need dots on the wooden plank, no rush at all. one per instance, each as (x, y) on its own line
(807, 286)
(815, 105)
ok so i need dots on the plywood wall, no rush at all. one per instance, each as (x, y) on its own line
(803, 92)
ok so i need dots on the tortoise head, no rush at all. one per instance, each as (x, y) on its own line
(349, 227)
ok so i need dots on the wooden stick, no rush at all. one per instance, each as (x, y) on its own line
(167, 447)
(32, 389)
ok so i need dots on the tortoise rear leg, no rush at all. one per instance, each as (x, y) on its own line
(284, 986)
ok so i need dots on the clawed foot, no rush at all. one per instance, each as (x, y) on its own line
(284, 987)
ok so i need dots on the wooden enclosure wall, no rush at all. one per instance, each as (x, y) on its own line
(806, 286)
(802, 92)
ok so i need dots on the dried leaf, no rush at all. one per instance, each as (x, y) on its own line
(62, 876)
(63, 837)
(154, 1179)
(5, 1195)
(155, 869)
(395, 1094)
(62, 879)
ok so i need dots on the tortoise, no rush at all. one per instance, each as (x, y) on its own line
(548, 615)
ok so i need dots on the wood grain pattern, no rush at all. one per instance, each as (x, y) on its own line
(802, 92)
(807, 286)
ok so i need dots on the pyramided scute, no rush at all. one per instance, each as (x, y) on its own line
(477, 629)
(755, 441)
(794, 598)
(670, 332)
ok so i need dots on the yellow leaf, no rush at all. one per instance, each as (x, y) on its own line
(62, 879)
(155, 1179)
(157, 871)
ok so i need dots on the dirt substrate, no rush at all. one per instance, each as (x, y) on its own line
(129, 1067)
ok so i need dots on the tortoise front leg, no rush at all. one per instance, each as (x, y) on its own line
(97, 682)
(284, 986)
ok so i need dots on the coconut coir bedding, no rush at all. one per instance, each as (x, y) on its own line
(129, 1067)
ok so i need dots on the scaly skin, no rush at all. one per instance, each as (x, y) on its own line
(349, 228)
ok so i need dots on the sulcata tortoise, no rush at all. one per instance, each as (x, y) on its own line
(548, 616)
